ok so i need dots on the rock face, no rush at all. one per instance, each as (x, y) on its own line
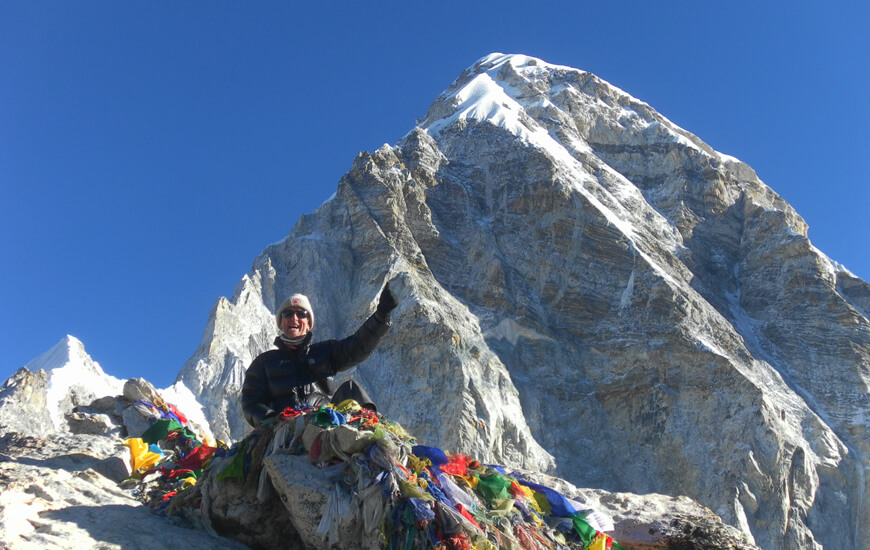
(587, 290)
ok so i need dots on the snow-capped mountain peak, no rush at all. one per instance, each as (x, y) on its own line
(481, 96)
(72, 371)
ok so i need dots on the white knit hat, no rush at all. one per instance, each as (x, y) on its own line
(297, 301)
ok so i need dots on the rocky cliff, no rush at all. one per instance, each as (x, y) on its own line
(586, 290)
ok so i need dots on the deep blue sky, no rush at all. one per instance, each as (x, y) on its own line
(150, 150)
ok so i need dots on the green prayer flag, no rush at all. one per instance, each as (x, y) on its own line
(586, 531)
(186, 432)
(236, 468)
(492, 485)
(160, 429)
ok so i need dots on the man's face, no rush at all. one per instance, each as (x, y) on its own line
(295, 322)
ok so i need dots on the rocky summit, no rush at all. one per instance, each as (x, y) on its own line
(586, 291)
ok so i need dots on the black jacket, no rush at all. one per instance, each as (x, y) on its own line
(290, 377)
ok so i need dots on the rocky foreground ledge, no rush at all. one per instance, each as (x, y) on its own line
(73, 490)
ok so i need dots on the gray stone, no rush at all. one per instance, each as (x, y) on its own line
(80, 422)
(117, 468)
(23, 406)
(53, 494)
(108, 404)
(137, 419)
(305, 492)
(139, 389)
(230, 508)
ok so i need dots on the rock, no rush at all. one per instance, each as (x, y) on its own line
(117, 468)
(90, 423)
(106, 404)
(646, 522)
(139, 389)
(230, 508)
(52, 495)
(23, 406)
(305, 492)
(138, 418)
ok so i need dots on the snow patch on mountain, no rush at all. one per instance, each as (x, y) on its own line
(180, 395)
(72, 372)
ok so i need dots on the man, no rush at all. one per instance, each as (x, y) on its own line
(295, 374)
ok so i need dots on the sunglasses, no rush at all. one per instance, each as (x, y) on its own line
(287, 313)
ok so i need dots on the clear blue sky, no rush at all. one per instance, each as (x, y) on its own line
(150, 150)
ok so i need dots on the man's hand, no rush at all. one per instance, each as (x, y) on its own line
(386, 304)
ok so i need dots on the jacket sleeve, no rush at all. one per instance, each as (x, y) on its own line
(354, 349)
(255, 394)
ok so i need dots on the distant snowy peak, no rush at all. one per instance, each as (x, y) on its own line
(72, 372)
(68, 358)
(69, 350)
(38, 397)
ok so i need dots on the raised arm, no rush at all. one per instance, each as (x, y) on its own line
(356, 348)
